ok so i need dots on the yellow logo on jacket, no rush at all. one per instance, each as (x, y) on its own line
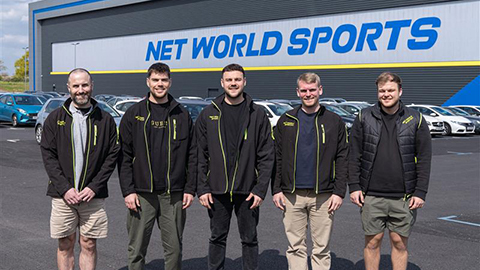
(140, 118)
(214, 117)
(288, 124)
(410, 118)
(61, 123)
(159, 124)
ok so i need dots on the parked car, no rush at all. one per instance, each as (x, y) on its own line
(19, 108)
(191, 98)
(274, 110)
(353, 107)
(54, 103)
(194, 106)
(103, 97)
(346, 116)
(472, 110)
(453, 124)
(122, 106)
(332, 100)
(435, 126)
(116, 99)
(474, 119)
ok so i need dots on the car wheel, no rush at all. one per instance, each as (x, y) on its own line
(38, 133)
(448, 130)
(14, 120)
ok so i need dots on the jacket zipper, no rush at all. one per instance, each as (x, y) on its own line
(245, 135)
(146, 147)
(295, 155)
(174, 128)
(221, 146)
(95, 135)
(318, 152)
(169, 149)
(88, 151)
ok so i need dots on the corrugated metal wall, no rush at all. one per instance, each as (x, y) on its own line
(421, 85)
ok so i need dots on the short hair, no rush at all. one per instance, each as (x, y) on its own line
(159, 68)
(233, 67)
(77, 70)
(309, 77)
(389, 77)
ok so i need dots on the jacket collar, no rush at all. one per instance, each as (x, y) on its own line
(294, 111)
(66, 105)
(376, 110)
(171, 106)
(218, 100)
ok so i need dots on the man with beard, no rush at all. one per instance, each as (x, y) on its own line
(156, 135)
(235, 162)
(311, 174)
(389, 170)
(79, 149)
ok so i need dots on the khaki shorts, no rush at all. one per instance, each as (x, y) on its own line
(394, 214)
(90, 217)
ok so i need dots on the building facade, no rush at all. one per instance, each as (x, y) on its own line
(433, 45)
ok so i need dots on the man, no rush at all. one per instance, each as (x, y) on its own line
(235, 162)
(156, 137)
(79, 150)
(311, 173)
(389, 170)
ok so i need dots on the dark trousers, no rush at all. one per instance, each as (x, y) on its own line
(247, 219)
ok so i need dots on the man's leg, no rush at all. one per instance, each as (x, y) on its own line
(371, 252)
(247, 220)
(321, 223)
(65, 256)
(399, 251)
(171, 222)
(220, 216)
(139, 227)
(295, 221)
(88, 253)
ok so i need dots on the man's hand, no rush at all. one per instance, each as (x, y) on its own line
(334, 203)
(357, 198)
(206, 199)
(71, 196)
(187, 200)
(416, 202)
(279, 200)
(257, 201)
(132, 202)
(86, 194)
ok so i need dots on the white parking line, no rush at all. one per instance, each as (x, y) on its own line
(13, 140)
(451, 219)
(13, 128)
(459, 153)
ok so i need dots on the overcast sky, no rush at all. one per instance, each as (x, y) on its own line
(13, 31)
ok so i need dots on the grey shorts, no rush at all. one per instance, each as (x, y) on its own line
(394, 214)
(89, 217)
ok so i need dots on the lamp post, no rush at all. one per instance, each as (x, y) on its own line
(75, 54)
(25, 68)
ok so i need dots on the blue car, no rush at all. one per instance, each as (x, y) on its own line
(19, 108)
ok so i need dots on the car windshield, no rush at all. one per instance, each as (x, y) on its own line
(458, 111)
(108, 109)
(194, 109)
(337, 110)
(27, 100)
(279, 109)
(442, 111)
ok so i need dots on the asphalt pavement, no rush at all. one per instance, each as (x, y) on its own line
(445, 237)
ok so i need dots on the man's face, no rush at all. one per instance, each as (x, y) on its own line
(80, 87)
(159, 83)
(309, 93)
(389, 94)
(233, 83)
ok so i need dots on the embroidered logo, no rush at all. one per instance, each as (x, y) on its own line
(214, 117)
(410, 118)
(140, 118)
(61, 123)
(289, 124)
(159, 124)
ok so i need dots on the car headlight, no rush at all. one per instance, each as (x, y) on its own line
(22, 111)
(428, 123)
(477, 121)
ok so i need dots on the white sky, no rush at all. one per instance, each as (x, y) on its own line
(13, 31)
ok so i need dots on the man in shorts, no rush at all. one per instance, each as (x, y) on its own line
(389, 170)
(79, 149)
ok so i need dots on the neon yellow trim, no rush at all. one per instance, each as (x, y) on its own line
(174, 129)
(95, 135)
(295, 156)
(323, 134)
(88, 152)
(318, 152)
(221, 146)
(169, 150)
(343, 66)
(245, 136)
(118, 134)
(346, 133)
(146, 146)
(420, 122)
(334, 169)
(73, 149)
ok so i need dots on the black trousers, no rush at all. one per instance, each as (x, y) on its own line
(247, 219)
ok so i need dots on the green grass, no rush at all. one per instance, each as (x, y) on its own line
(12, 86)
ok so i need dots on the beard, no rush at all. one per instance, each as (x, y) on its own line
(81, 99)
(390, 106)
(160, 95)
(235, 95)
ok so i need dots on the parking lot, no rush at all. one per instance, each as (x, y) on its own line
(445, 237)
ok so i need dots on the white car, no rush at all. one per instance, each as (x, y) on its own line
(453, 124)
(472, 110)
(274, 110)
(436, 126)
(122, 106)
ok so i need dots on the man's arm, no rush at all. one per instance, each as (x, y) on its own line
(341, 161)
(191, 184)
(202, 155)
(423, 152)
(48, 147)
(108, 166)
(355, 162)
(126, 155)
(265, 157)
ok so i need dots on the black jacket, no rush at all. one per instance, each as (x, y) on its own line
(255, 160)
(332, 151)
(135, 170)
(415, 148)
(58, 151)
